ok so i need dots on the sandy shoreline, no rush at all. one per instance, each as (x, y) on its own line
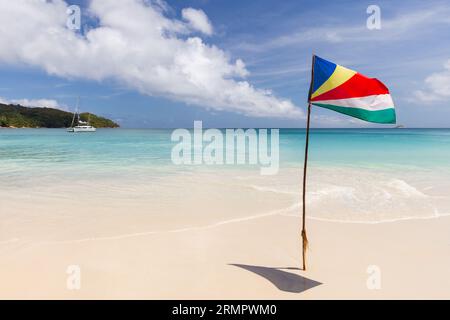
(252, 259)
(224, 235)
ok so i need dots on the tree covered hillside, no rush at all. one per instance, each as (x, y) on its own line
(23, 117)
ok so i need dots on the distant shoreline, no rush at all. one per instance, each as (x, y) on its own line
(16, 116)
(12, 127)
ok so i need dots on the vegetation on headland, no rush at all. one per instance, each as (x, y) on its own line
(17, 116)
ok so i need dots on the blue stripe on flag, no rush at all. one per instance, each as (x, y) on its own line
(323, 69)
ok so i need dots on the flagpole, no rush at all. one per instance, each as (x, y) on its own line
(305, 165)
(304, 238)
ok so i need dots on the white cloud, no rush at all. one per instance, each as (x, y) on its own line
(137, 45)
(35, 103)
(197, 20)
(437, 86)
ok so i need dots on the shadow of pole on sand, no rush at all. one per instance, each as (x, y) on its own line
(285, 281)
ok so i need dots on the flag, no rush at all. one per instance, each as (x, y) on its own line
(346, 91)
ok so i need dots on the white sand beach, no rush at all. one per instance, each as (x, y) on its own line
(133, 252)
(204, 263)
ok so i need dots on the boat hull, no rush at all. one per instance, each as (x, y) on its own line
(82, 129)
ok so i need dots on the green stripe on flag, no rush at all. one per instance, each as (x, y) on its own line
(378, 116)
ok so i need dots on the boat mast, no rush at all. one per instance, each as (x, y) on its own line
(78, 113)
(75, 113)
(73, 120)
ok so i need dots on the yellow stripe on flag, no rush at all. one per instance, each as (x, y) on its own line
(338, 77)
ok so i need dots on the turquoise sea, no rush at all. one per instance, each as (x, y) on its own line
(363, 174)
(146, 149)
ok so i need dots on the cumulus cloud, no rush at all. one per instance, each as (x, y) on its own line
(197, 20)
(437, 86)
(35, 103)
(136, 44)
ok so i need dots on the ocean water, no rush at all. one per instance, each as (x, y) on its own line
(354, 175)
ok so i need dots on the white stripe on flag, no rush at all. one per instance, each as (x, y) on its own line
(371, 103)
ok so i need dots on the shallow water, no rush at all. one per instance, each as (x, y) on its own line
(355, 175)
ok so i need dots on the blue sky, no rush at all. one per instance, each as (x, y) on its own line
(274, 40)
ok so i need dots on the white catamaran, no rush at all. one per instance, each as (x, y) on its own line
(82, 126)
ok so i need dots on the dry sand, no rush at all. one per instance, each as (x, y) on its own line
(249, 258)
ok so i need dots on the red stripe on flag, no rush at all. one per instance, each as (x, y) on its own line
(357, 86)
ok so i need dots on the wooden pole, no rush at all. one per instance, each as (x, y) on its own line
(304, 238)
(305, 165)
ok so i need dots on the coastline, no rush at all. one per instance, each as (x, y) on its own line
(56, 128)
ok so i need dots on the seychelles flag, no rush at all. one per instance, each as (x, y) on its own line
(349, 92)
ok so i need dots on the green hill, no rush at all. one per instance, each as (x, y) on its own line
(22, 117)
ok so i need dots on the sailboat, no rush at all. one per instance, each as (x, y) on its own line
(82, 126)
